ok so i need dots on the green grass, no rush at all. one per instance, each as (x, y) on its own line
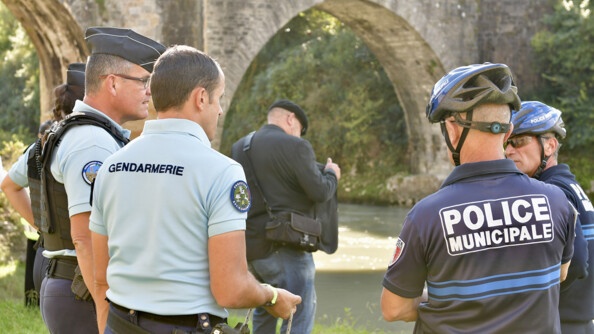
(15, 318)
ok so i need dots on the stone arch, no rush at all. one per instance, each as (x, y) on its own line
(416, 41)
(410, 63)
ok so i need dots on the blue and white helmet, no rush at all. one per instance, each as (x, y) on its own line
(466, 87)
(535, 118)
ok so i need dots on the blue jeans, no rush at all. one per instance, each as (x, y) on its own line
(292, 270)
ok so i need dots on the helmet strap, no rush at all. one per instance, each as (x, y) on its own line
(456, 151)
(543, 160)
(490, 127)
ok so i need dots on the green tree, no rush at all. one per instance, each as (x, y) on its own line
(19, 73)
(564, 56)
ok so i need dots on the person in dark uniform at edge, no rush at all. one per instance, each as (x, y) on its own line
(116, 91)
(190, 262)
(534, 148)
(492, 244)
(287, 172)
(24, 173)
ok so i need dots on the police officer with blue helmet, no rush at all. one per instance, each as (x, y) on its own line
(465, 259)
(116, 91)
(534, 147)
(468, 86)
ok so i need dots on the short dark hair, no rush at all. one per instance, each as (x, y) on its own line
(178, 72)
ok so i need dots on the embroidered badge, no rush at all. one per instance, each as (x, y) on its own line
(240, 196)
(90, 170)
(397, 251)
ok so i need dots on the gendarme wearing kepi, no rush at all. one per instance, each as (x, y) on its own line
(124, 43)
(75, 77)
(116, 91)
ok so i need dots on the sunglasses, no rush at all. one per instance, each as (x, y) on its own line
(518, 142)
(521, 141)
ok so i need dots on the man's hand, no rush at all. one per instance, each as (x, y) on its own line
(286, 304)
(334, 167)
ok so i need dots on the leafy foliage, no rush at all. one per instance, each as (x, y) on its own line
(564, 56)
(353, 111)
(19, 70)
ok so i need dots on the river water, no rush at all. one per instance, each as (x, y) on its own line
(349, 282)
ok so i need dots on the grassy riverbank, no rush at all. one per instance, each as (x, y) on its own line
(15, 318)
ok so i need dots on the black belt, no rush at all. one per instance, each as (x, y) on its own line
(61, 268)
(189, 320)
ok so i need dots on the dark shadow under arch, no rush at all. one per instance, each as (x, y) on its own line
(411, 65)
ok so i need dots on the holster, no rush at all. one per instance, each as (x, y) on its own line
(79, 288)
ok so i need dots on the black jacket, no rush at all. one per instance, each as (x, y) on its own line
(289, 176)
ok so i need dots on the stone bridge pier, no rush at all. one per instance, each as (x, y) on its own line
(416, 42)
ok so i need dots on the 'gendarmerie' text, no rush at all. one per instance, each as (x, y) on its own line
(146, 168)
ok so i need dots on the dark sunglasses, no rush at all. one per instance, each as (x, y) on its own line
(518, 142)
(521, 141)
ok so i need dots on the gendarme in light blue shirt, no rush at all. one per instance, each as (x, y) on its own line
(18, 171)
(159, 200)
(81, 147)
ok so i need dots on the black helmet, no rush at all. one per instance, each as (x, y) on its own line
(466, 87)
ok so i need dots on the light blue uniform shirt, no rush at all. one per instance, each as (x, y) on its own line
(159, 200)
(82, 149)
(18, 171)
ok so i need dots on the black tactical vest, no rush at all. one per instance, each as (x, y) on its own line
(34, 180)
(54, 222)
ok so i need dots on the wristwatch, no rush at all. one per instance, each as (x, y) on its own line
(274, 294)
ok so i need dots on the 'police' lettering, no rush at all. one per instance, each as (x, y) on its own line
(146, 168)
(476, 226)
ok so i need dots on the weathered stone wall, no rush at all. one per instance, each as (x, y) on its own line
(416, 41)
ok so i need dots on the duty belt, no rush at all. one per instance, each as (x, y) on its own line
(62, 268)
(201, 320)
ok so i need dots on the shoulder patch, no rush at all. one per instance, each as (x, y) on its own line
(90, 170)
(398, 251)
(240, 196)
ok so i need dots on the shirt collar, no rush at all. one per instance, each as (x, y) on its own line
(479, 169)
(80, 106)
(179, 125)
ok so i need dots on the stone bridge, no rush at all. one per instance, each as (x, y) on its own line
(415, 41)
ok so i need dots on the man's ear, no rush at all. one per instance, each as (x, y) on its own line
(200, 97)
(110, 84)
(550, 146)
(453, 131)
(509, 132)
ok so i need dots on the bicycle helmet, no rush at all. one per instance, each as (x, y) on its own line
(536, 118)
(465, 88)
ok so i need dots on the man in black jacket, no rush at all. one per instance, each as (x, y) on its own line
(285, 167)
